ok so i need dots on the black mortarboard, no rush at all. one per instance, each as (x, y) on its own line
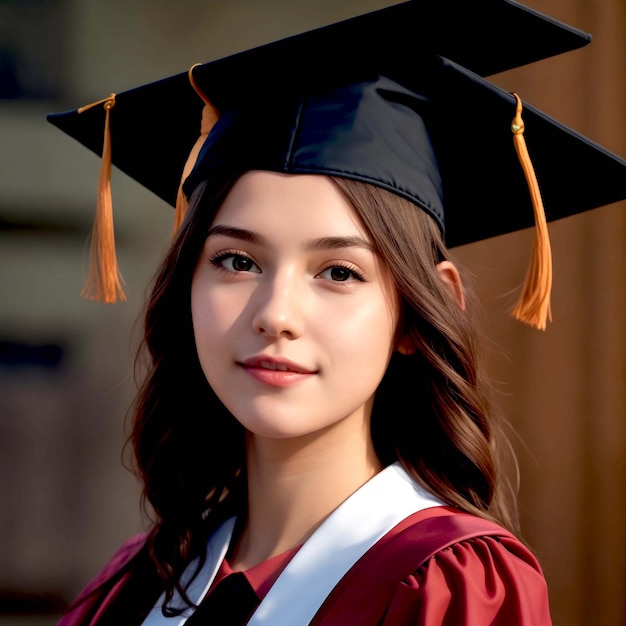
(485, 37)
(394, 98)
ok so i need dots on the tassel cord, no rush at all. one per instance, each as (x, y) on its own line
(210, 115)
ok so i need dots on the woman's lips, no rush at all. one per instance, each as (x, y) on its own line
(275, 372)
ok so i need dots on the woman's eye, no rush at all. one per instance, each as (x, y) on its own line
(339, 273)
(235, 262)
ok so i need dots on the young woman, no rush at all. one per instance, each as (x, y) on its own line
(314, 432)
(315, 386)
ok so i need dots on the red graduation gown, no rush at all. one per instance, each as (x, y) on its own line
(438, 567)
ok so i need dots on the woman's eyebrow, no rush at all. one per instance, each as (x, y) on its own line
(323, 243)
(330, 243)
(242, 234)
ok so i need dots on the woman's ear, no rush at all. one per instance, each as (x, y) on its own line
(450, 275)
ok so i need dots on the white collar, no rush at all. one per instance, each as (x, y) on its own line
(339, 542)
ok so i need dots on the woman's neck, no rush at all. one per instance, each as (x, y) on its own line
(293, 485)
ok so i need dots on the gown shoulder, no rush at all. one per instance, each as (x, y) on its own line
(487, 579)
(442, 567)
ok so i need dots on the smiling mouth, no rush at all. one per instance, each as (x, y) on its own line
(275, 373)
(275, 365)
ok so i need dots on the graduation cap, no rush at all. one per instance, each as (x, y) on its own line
(368, 99)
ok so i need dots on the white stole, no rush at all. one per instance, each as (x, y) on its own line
(322, 561)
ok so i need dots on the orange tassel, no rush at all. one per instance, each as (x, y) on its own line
(210, 115)
(533, 306)
(104, 281)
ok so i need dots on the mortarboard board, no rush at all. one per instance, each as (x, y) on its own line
(368, 99)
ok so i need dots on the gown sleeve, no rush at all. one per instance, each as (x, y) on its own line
(487, 580)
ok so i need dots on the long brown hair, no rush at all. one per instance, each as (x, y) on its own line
(188, 450)
(445, 431)
(432, 410)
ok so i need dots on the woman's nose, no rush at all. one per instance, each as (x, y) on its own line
(279, 308)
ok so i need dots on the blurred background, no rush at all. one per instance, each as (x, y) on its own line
(66, 365)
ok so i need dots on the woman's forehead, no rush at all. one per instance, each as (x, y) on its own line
(309, 205)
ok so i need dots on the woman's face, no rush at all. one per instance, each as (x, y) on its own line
(294, 314)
